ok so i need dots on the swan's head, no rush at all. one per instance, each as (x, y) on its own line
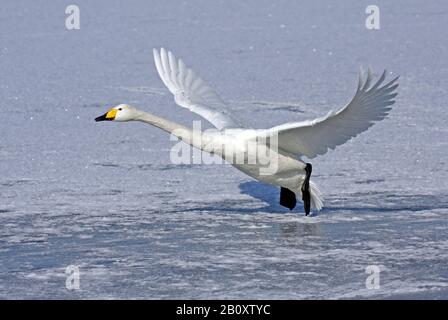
(122, 112)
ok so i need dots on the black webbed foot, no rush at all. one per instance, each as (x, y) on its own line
(306, 196)
(287, 198)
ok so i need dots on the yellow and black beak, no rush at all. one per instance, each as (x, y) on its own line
(108, 116)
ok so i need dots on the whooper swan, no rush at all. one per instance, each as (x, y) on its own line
(282, 146)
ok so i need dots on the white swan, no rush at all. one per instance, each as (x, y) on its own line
(283, 144)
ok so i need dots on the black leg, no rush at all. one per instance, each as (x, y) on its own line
(306, 197)
(287, 198)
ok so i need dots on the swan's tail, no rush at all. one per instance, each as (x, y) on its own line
(317, 200)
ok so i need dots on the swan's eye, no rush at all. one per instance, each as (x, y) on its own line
(120, 109)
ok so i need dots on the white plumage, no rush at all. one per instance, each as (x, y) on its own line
(315, 137)
(192, 92)
(310, 138)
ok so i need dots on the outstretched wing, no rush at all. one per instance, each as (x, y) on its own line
(315, 137)
(190, 91)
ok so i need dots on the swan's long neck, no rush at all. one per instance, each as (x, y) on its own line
(187, 135)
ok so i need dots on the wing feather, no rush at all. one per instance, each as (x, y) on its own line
(190, 91)
(315, 137)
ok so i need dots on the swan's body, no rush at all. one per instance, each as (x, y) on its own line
(286, 143)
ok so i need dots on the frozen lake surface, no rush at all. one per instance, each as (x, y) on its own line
(106, 198)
